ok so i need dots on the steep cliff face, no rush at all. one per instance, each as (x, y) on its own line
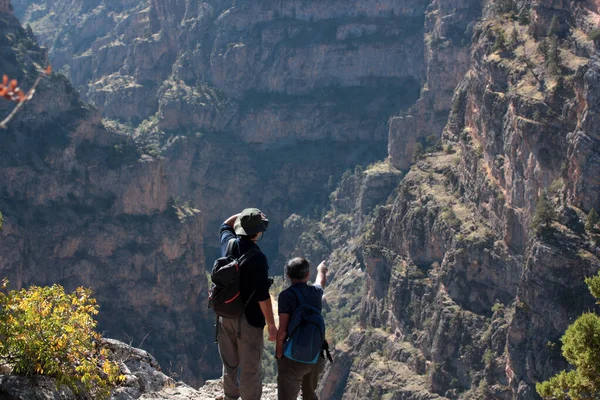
(83, 207)
(448, 30)
(455, 268)
(205, 56)
(246, 67)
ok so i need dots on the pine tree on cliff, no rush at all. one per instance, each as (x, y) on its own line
(554, 28)
(543, 48)
(514, 38)
(417, 152)
(581, 348)
(590, 223)
(543, 217)
(500, 43)
(524, 16)
(553, 56)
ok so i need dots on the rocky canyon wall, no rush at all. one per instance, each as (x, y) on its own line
(441, 285)
(461, 288)
(291, 92)
(83, 207)
(221, 105)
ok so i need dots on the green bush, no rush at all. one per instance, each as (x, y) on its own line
(581, 348)
(555, 187)
(595, 35)
(450, 219)
(45, 331)
(497, 307)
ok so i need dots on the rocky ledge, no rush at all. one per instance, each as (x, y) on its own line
(144, 379)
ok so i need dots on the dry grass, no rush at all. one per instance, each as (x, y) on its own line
(571, 61)
(384, 166)
(429, 181)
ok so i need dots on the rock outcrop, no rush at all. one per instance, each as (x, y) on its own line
(239, 66)
(143, 380)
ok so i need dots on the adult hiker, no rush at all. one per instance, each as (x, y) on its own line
(301, 334)
(240, 339)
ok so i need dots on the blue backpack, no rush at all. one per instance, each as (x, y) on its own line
(306, 333)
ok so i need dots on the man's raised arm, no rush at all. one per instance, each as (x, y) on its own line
(231, 220)
(321, 279)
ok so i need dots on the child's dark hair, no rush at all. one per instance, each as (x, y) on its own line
(297, 268)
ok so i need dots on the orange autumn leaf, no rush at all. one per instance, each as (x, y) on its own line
(10, 91)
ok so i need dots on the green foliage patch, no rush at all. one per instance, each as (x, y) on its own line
(45, 331)
(581, 348)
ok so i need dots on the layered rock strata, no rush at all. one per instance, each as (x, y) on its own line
(293, 93)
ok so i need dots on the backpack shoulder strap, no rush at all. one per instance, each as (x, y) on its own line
(247, 255)
(298, 295)
(229, 248)
(244, 257)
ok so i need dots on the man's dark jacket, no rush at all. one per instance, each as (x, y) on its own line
(254, 274)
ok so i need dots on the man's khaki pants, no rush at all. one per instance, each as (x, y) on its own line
(241, 347)
(293, 375)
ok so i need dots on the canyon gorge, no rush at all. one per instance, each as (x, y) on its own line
(410, 143)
